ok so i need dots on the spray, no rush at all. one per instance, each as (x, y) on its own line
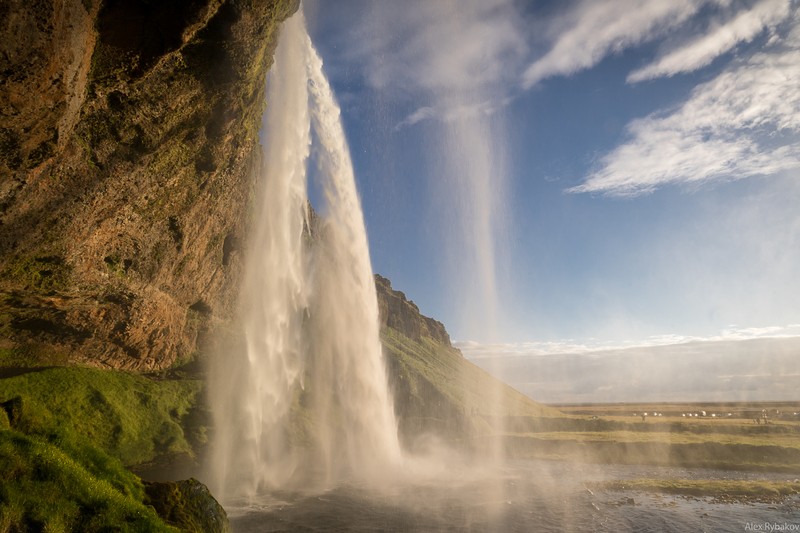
(307, 400)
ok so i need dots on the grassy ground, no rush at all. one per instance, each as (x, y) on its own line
(437, 391)
(68, 434)
(66, 437)
(597, 435)
(127, 416)
(718, 411)
(48, 489)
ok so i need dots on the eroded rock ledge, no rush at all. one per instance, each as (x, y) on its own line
(402, 314)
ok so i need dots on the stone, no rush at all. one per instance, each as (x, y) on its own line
(401, 314)
(187, 505)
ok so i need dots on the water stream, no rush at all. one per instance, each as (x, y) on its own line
(305, 436)
(309, 403)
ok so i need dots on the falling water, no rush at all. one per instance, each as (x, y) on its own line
(310, 402)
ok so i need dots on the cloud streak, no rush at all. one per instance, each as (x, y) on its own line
(471, 50)
(475, 350)
(743, 123)
(702, 50)
(461, 61)
(738, 364)
(596, 29)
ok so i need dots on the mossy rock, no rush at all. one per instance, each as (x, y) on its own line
(187, 505)
(134, 169)
(42, 273)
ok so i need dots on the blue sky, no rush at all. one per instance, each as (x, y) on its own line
(587, 173)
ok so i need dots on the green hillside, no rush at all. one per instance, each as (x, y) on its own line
(436, 390)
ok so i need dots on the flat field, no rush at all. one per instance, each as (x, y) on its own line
(752, 436)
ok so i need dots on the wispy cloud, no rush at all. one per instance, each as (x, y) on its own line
(737, 365)
(476, 350)
(721, 38)
(595, 29)
(743, 123)
(453, 111)
(470, 50)
(466, 59)
(423, 113)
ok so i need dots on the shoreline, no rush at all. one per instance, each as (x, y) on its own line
(717, 491)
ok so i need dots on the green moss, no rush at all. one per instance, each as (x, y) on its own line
(170, 159)
(53, 491)
(461, 382)
(27, 355)
(41, 273)
(127, 416)
(66, 435)
(188, 505)
(117, 267)
(84, 142)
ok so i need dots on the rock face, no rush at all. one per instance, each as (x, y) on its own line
(401, 314)
(128, 136)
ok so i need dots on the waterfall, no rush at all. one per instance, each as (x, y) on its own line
(309, 403)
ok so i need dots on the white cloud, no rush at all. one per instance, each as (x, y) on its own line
(423, 113)
(476, 350)
(453, 112)
(453, 59)
(704, 49)
(743, 123)
(596, 29)
(748, 364)
(441, 46)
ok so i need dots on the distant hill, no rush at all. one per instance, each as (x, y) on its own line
(436, 390)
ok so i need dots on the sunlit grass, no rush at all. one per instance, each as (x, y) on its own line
(783, 440)
(465, 385)
(128, 416)
(707, 450)
(66, 435)
(46, 489)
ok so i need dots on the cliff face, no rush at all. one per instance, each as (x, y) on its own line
(128, 132)
(436, 391)
(401, 314)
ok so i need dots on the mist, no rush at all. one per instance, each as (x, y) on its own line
(754, 370)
